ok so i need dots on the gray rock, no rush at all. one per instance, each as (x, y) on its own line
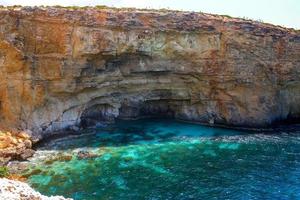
(27, 154)
(85, 155)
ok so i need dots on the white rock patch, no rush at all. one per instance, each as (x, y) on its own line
(16, 190)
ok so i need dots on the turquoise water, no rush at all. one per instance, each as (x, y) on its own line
(164, 159)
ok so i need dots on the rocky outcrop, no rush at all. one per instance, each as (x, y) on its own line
(16, 190)
(14, 145)
(64, 67)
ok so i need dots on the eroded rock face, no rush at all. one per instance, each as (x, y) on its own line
(63, 67)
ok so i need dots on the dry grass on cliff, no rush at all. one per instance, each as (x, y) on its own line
(162, 10)
(104, 7)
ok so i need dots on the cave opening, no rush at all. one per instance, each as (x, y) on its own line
(104, 113)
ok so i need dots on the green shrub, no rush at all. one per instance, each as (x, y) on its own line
(3, 172)
(101, 7)
(228, 16)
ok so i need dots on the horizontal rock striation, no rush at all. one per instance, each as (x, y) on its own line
(63, 67)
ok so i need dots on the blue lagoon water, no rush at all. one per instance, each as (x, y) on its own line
(166, 159)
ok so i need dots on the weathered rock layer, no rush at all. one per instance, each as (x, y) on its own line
(62, 67)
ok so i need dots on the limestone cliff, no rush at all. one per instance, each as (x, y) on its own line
(61, 67)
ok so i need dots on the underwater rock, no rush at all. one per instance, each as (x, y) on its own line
(85, 155)
(59, 157)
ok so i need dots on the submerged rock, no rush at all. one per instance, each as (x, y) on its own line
(16, 190)
(59, 157)
(85, 155)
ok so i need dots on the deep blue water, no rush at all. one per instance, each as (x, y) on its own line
(165, 159)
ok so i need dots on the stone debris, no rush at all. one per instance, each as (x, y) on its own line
(15, 145)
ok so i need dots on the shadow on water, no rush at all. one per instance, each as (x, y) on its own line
(124, 132)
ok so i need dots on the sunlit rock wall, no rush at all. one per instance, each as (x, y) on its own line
(62, 67)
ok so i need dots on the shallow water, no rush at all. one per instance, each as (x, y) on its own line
(164, 159)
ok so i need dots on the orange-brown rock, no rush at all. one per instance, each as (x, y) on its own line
(63, 67)
(14, 145)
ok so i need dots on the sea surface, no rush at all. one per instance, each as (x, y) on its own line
(155, 159)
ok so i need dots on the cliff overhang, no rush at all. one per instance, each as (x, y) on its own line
(63, 67)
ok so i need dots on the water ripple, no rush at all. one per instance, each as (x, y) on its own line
(170, 160)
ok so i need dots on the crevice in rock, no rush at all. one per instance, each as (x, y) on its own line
(99, 113)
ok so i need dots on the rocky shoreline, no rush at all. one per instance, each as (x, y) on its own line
(16, 190)
(67, 69)
(15, 146)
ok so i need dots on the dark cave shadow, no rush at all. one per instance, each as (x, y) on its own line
(124, 132)
(139, 132)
